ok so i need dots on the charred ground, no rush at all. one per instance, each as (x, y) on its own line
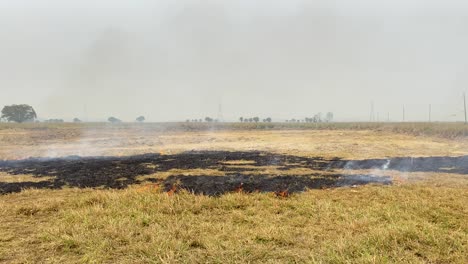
(120, 172)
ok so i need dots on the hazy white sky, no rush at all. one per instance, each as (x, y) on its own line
(173, 60)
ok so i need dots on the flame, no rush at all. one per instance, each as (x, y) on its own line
(165, 152)
(149, 188)
(398, 180)
(172, 191)
(239, 188)
(282, 194)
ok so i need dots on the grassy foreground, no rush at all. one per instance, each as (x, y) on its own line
(414, 223)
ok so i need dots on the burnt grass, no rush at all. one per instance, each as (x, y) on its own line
(120, 172)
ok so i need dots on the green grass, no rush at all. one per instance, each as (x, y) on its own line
(373, 224)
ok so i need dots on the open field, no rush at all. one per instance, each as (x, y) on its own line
(198, 193)
(348, 140)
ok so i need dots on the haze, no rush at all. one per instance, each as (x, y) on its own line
(177, 60)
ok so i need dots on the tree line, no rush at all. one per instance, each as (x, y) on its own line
(24, 113)
(255, 119)
(241, 119)
(317, 118)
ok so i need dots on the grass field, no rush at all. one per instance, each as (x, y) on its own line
(288, 207)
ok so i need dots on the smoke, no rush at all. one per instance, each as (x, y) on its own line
(386, 165)
(400, 168)
(101, 140)
(179, 60)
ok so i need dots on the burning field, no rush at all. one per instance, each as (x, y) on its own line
(218, 162)
(151, 195)
(233, 171)
(219, 172)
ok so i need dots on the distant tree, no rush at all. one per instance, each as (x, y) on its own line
(317, 118)
(19, 113)
(329, 117)
(76, 120)
(268, 119)
(250, 120)
(208, 119)
(256, 119)
(114, 120)
(140, 119)
(241, 119)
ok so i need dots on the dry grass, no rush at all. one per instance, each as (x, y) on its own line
(131, 140)
(440, 129)
(173, 172)
(5, 177)
(373, 224)
(422, 218)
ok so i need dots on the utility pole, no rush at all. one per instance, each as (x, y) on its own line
(85, 110)
(464, 103)
(372, 114)
(430, 113)
(220, 113)
(404, 113)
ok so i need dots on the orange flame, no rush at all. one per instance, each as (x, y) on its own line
(239, 189)
(149, 188)
(282, 194)
(172, 191)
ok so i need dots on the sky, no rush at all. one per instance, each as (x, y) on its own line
(176, 60)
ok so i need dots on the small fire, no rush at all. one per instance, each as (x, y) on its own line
(239, 189)
(172, 191)
(165, 152)
(149, 188)
(282, 194)
(398, 180)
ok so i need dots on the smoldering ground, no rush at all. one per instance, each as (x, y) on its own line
(247, 176)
